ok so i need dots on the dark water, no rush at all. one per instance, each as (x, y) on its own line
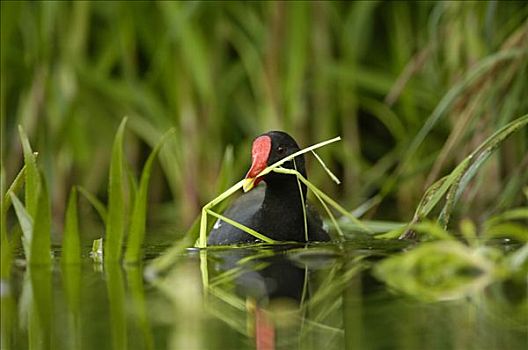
(290, 297)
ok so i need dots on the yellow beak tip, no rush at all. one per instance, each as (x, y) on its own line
(248, 184)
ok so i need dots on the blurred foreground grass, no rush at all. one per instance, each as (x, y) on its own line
(412, 88)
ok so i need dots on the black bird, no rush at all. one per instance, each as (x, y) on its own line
(275, 210)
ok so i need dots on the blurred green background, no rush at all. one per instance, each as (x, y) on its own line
(412, 87)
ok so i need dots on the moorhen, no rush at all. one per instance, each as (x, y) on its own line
(275, 211)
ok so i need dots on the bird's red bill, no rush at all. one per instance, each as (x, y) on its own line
(259, 155)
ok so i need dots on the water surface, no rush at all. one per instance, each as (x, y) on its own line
(287, 297)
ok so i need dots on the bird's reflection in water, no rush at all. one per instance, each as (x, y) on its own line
(269, 287)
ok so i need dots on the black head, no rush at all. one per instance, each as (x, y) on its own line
(268, 149)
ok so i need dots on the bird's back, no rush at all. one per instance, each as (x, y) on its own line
(245, 210)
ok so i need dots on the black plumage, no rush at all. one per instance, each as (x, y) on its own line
(276, 209)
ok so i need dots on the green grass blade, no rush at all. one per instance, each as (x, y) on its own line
(475, 161)
(328, 171)
(41, 308)
(455, 182)
(298, 153)
(139, 212)
(15, 186)
(115, 222)
(99, 206)
(132, 183)
(242, 227)
(41, 240)
(116, 299)
(6, 256)
(330, 215)
(26, 224)
(305, 219)
(377, 227)
(512, 214)
(71, 276)
(71, 245)
(6, 249)
(476, 72)
(202, 242)
(324, 197)
(32, 176)
(139, 305)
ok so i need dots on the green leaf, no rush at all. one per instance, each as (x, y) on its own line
(97, 250)
(99, 207)
(71, 245)
(139, 212)
(475, 161)
(115, 222)
(138, 304)
(32, 175)
(453, 184)
(438, 271)
(26, 223)
(41, 307)
(5, 255)
(41, 240)
(116, 300)
(15, 185)
(6, 249)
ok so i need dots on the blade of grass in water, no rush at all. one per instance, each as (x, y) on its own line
(138, 303)
(139, 212)
(41, 307)
(71, 246)
(32, 176)
(116, 300)
(115, 222)
(475, 161)
(41, 239)
(456, 182)
(71, 274)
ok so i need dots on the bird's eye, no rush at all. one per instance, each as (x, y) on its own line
(280, 150)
